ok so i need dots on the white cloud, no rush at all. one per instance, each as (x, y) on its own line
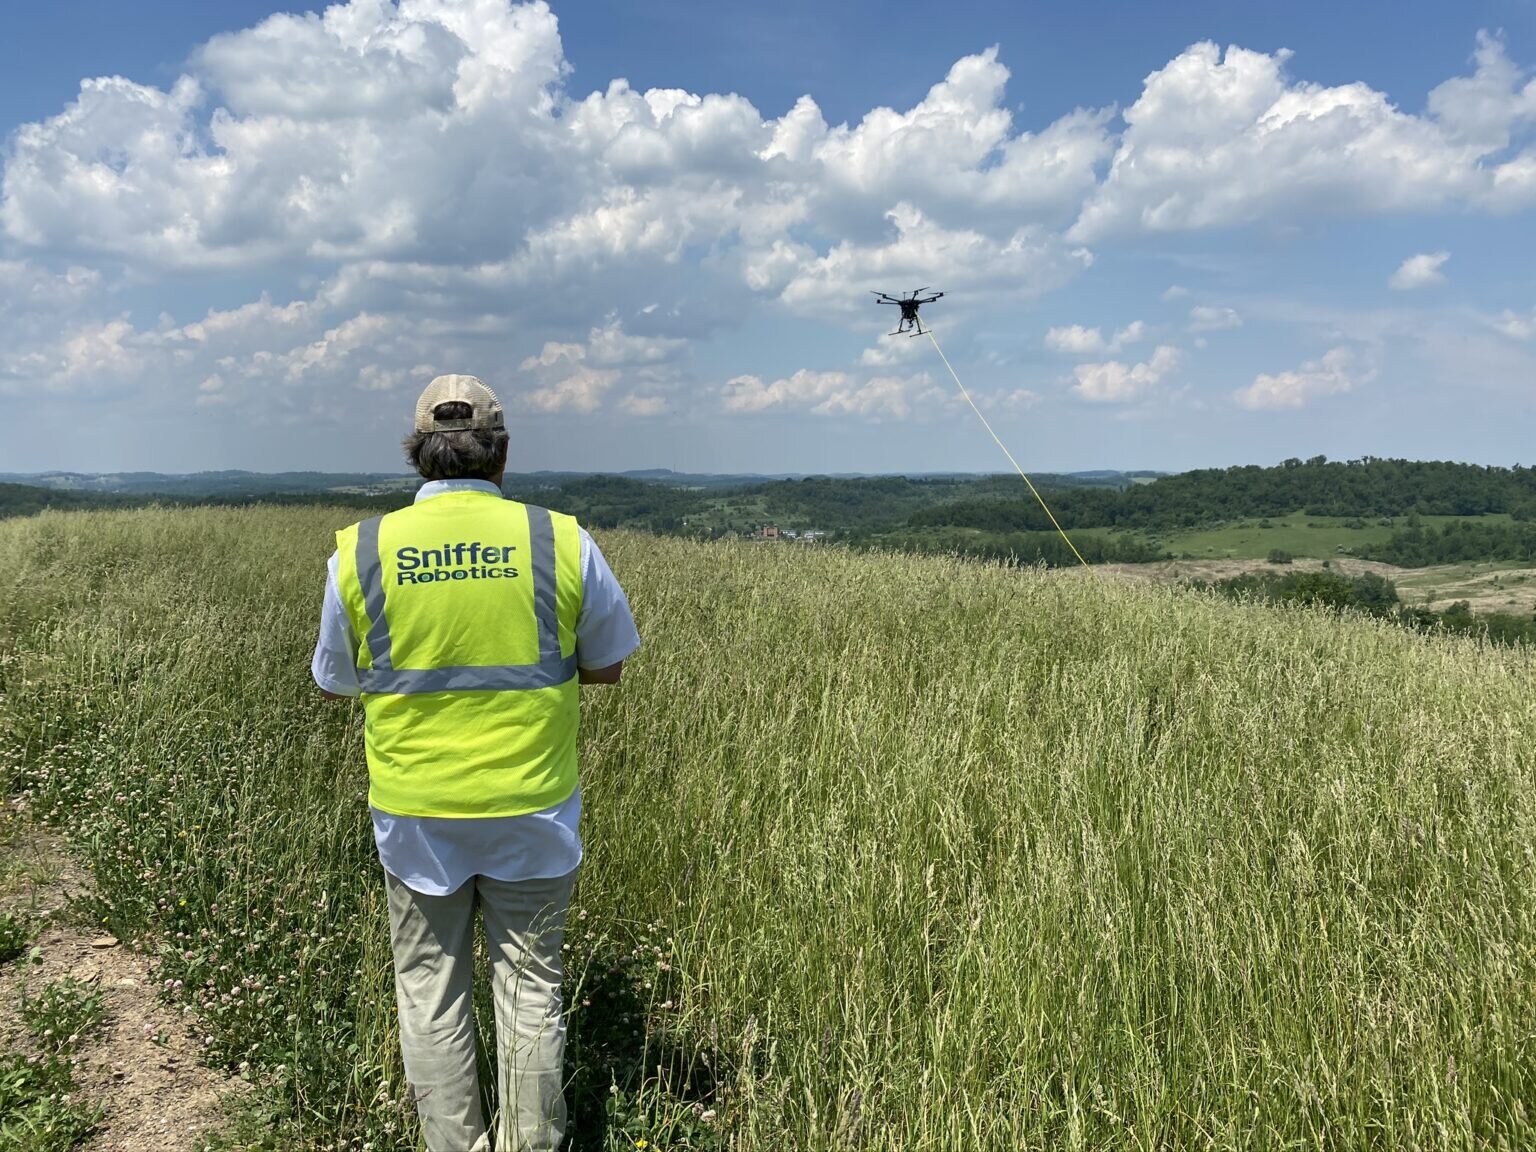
(425, 162)
(892, 351)
(573, 377)
(566, 383)
(1516, 326)
(1487, 105)
(610, 344)
(1203, 318)
(24, 285)
(1218, 139)
(1028, 263)
(1335, 372)
(833, 394)
(802, 390)
(1076, 340)
(1419, 271)
(1116, 383)
(955, 150)
(1173, 292)
(1133, 333)
(95, 353)
(439, 133)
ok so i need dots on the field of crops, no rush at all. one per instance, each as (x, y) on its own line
(884, 852)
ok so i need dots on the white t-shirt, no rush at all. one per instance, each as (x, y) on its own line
(434, 855)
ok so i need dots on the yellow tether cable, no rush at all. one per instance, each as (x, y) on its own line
(929, 333)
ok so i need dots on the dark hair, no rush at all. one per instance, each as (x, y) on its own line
(470, 454)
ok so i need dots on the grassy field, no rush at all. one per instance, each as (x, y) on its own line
(1319, 537)
(884, 852)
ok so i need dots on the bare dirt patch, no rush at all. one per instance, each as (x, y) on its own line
(1184, 571)
(142, 1065)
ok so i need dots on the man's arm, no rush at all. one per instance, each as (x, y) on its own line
(333, 666)
(608, 675)
(605, 632)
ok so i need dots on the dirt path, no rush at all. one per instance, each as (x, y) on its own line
(142, 1064)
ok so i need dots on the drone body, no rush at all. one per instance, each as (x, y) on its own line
(910, 324)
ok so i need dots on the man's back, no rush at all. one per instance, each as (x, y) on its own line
(468, 608)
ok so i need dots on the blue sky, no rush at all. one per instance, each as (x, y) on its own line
(1172, 235)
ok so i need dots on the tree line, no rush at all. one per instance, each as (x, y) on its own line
(1417, 546)
(1369, 487)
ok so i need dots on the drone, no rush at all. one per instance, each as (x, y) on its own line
(909, 304)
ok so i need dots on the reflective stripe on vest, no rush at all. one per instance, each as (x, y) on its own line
(551, 670)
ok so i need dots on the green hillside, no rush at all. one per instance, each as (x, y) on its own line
(887, 852)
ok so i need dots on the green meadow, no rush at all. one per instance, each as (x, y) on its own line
(1319, 537)
(885, 852)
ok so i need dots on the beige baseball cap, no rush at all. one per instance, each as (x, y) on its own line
(486, 409)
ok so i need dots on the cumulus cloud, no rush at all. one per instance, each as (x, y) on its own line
(425, 160)
(833, 394)
(893, 351)
(1419, 271)
(1337, 371)
(572, 385)
(1204, 318)
(1075, 340)
(1515, 325)
(1113, 382)
(439, 132)
(581, 377)
(1029, 262)
(1218, 139)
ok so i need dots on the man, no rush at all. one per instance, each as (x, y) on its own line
(465, 623)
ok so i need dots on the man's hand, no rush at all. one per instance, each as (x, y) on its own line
(608, 675)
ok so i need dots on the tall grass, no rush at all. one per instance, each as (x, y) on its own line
(883, 852)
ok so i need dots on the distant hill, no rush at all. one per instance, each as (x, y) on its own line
(225, 483)
(237, 483)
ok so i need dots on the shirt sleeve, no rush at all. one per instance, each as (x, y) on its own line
(605, 630)
(334, 665)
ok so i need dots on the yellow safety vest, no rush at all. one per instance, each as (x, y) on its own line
(465, 609)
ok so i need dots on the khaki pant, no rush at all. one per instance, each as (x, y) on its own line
(433, 938)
